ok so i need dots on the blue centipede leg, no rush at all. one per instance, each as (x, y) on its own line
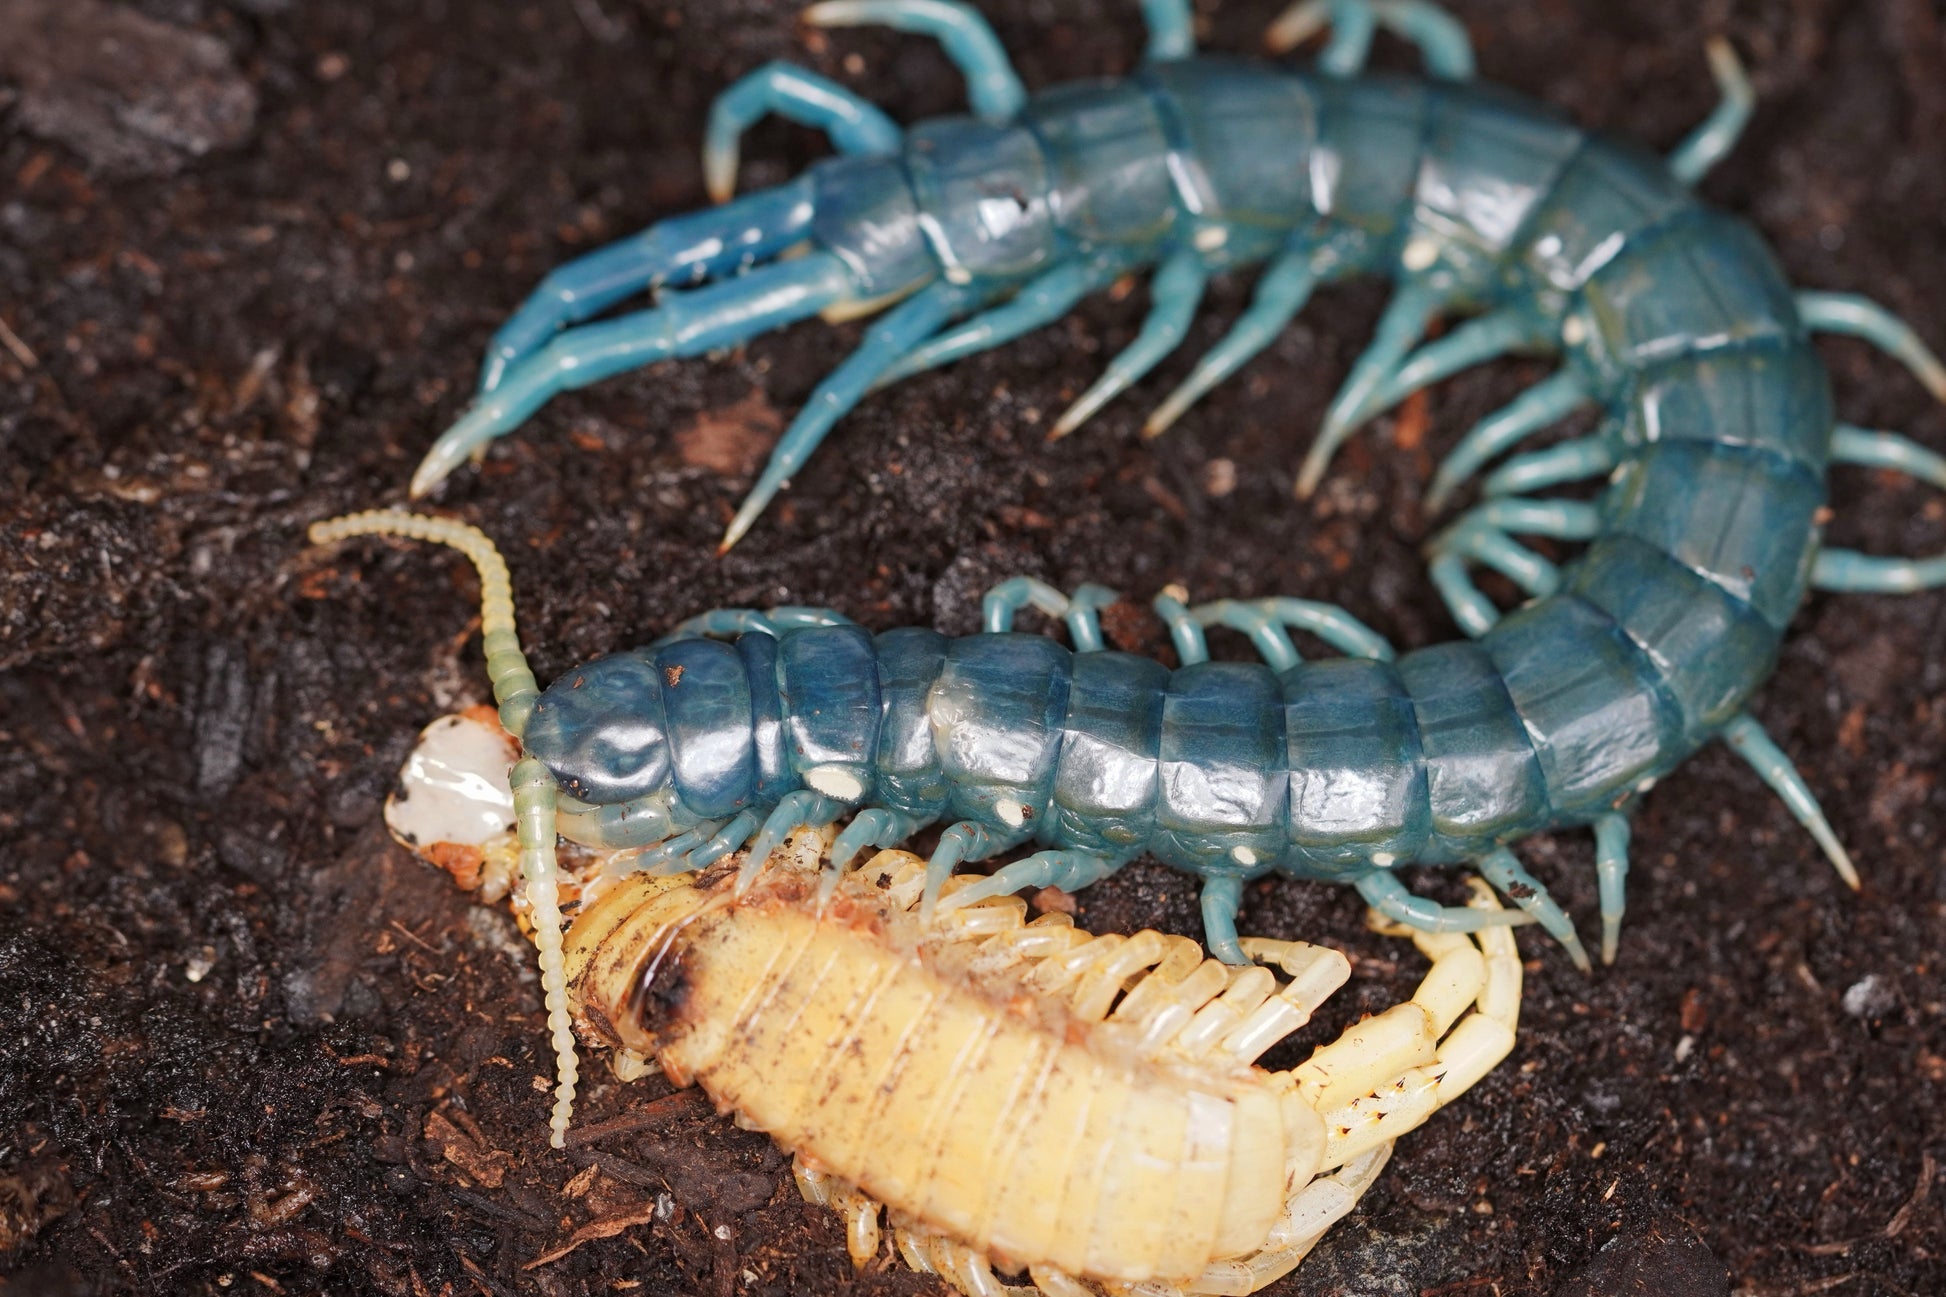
(1749, 741)
(1222, 898)
(854, 125)
(1475, 342)
(1481, 537)
(992, 85)
(685, 324)
(1718, 133)
(725, 840)
(1040, 302)
(671, 855)
(1611, 874)
(1850, 571)
(1540, 405)
(889, 337)
(1352, 24)
(1067, 870)
(1571, 461)
(1084, 616)
(1526, 891)
(1281, 293)
(1184, 630)
(1399, 330)
(793, 810)
(874, 826)
(728, 623)
(998, 605)
(1172, 32)
(1081, 611)
(1175, 293)
(681, 250)
(1861, 317)
(1382, 890)
(1265, 620)
(966, 840)
(1441, 40)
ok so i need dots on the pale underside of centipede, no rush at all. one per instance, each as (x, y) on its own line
(1669, 317)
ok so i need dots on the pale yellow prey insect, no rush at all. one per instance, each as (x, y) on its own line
(1023, 1095)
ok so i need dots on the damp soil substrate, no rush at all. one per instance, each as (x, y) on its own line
(249, 1045)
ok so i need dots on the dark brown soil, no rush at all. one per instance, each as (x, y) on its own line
(250, 1046)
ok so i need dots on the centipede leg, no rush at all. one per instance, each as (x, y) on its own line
(1411, 309)
(1611, 873)
(1385, 893)
(1041, 302)
(727, 623)
(1265, 620)
(1718, 133)
(1544, 403)
(1749, 741)
(1441, 40)
(1176, 291)
(1850, 571)
(1067, 870)
(1481, 537)
(1511, 877)
(967, 39)
(1861, 317)
(966, 840)
(803, 807)
(1571, 461)
(1185, 633)
(1222, 898)
(682, 250)
(1472, 343)
(1081, 611)
(685, 324)
(1386, 1074)
(1172, 33)
(853, 124)
(890, 336)
(1281, 293)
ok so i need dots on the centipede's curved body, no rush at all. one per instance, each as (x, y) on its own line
(1670, 317)
(1022, 1093)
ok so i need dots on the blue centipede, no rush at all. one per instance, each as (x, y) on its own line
(1669, 317)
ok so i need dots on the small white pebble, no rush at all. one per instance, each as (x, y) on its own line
(1684, 1048)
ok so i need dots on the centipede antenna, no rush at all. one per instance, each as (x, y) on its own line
(1749, 740)
(514, 687)
(534, 792)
